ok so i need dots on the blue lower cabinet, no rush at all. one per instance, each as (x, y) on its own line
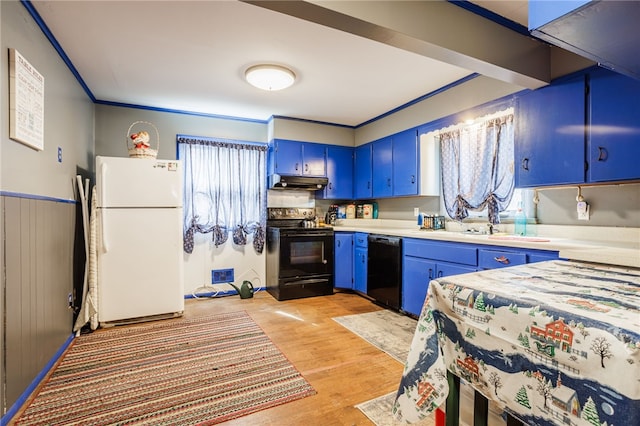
(417, 272)
(360, 261)
(360, 269)
(416, 275)
(343, 260)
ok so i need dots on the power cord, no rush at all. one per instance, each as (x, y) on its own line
(204, 287)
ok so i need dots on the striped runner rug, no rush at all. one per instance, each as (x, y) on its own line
(174, 372)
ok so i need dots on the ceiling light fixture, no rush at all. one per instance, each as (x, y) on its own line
(270, 77)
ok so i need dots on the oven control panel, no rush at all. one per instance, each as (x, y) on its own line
(291, 213)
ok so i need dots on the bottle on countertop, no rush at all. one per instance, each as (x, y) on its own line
(520, 222)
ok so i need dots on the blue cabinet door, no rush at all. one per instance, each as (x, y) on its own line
(314, 157)
(339, 173)
(614, 145)
(363, 185)
(550, 141)
(287, 157)
(382, 167)
(360, 269)
(405, 163)
(447, 269)
(416, 275)
(343, 260)
(294, 158)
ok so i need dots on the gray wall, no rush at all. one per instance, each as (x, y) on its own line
(39, 256)
(610, 205)
(38, 214)
(113, 122)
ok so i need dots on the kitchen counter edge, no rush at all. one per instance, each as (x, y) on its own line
(608, 253)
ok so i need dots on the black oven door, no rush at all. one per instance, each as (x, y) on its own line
(305, 253)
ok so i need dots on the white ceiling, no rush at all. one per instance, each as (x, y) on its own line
(191, 56)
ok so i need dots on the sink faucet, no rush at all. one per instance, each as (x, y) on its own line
(490, 227)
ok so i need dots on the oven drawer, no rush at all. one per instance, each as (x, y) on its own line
(302, 287)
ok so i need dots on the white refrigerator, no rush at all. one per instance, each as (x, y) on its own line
(139, 239)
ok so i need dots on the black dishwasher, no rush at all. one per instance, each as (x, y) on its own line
(384, 273)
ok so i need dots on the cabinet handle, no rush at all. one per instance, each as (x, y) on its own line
(368, 184)
(297, 167)
(439, 274)
(602, 153)
(338, 243)
(388, 181)
(413, 178)
(306, 167)
(430, 274)
(330, 185)
(525, 164)
(502, 259)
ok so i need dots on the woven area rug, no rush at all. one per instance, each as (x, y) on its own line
(172, 372)
(378, 410)
(387, 330)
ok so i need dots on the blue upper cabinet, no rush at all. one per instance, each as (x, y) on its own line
(394, 166)
(314, 157)
(293, 158)
(363, 179)
(286, 157)
(339, 173)
(382, 163)
(605, 32)
(614, 134)
(550, 136)
(405, 163)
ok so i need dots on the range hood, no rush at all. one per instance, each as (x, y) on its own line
(308, 183)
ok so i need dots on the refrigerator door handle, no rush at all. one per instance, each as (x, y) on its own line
(103, 184)
(103, 230)
(103, 227)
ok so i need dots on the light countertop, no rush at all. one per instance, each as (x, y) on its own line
(607, 245)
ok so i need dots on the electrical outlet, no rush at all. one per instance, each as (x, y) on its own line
(416, 211)
(222, 276)
(583, 210)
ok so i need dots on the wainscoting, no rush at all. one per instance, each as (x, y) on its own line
(38, 266)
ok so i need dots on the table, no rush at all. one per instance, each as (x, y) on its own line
(552, 343)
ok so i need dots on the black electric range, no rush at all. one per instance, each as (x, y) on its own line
(299, 254)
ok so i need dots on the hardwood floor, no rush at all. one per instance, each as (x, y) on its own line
(344, 369)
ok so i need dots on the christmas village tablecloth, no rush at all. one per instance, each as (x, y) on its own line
(551, 343)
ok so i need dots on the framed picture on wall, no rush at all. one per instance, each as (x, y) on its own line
(26, 102)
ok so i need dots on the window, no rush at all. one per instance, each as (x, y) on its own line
(478, 166)
(224, 190)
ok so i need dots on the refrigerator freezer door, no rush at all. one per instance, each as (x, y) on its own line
(140, 264)
(135, 182)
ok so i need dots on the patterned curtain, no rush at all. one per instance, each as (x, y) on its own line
(477, 166)
(224, 190)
